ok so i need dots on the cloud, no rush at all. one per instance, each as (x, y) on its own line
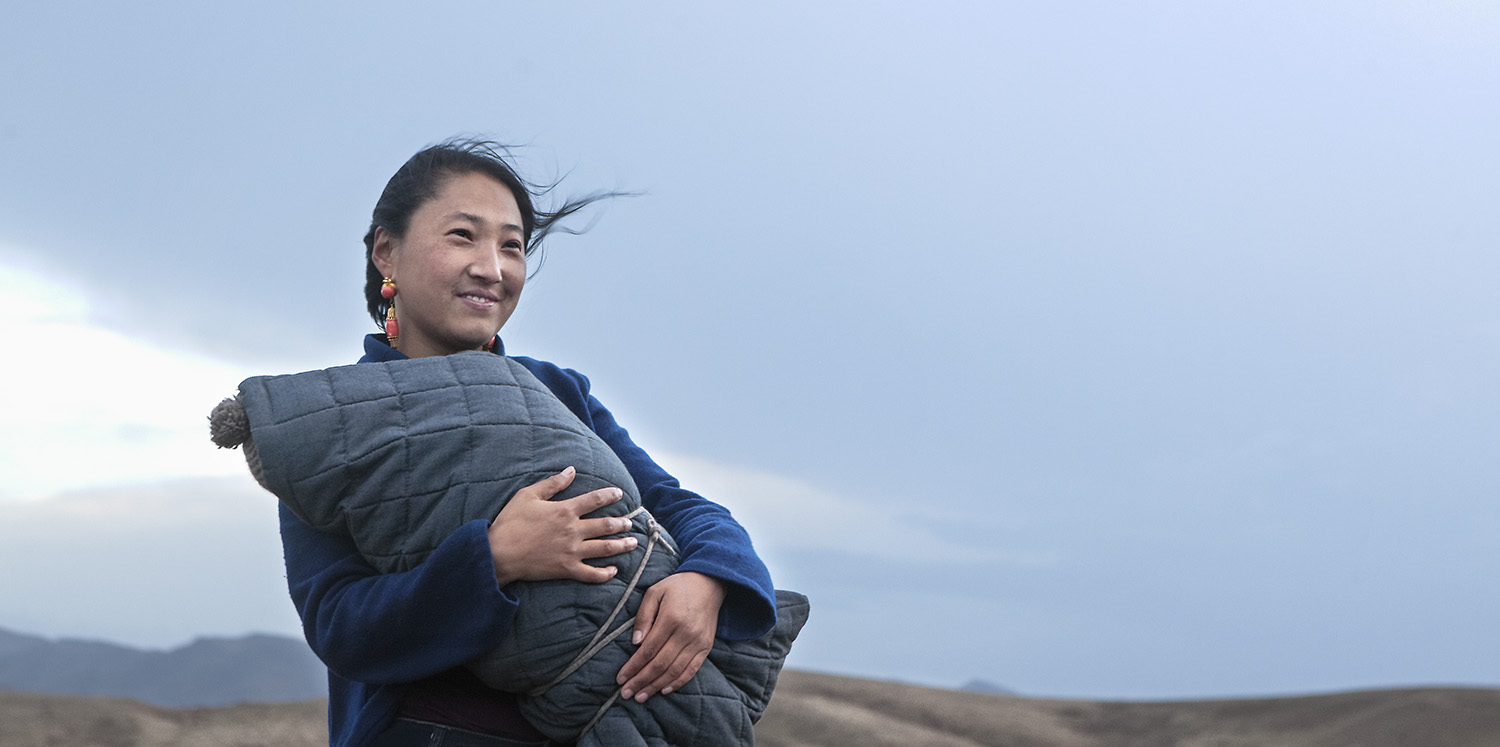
(152, 565)
(784, 514)
(86, 405)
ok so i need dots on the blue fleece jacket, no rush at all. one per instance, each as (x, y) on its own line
(377, 632)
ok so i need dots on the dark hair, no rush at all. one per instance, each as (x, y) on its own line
(419, 179)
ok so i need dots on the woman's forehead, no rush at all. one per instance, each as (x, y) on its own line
(475, 196)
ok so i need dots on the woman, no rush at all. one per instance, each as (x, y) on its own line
(446, 263)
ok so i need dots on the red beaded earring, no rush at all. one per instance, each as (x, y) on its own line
(392, 329)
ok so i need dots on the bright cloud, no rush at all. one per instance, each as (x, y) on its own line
(91, 406)
(99, 408)
(152, 565)
(786, 514)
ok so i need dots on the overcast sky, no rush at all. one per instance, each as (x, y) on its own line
(1094, 349)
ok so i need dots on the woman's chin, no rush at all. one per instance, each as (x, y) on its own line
(481, 343)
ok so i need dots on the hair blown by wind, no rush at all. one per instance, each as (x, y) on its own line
(419, 179)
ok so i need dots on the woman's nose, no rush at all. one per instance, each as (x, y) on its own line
(490, 265)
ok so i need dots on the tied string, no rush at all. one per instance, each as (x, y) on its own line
(605, 634)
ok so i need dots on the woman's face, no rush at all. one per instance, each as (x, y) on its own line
(459, 269)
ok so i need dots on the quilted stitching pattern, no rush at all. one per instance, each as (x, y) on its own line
(398, 455)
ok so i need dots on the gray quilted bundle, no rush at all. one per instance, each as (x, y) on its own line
(398, 455)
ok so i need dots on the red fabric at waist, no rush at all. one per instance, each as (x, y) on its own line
(457, 698)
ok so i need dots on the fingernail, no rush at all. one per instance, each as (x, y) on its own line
(666, 691)
(567, 471)
(640, 698)
(626, 694)
(619, 494)
(635, 638)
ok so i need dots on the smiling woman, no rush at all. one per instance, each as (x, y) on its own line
(456, 275)
(447, 254)
(460, 199)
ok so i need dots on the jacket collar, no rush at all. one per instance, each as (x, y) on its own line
(377, 350)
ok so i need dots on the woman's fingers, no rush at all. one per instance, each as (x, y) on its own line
(604, 526)
(667, 658)
(592, 574)
(607, 548)
(537, 539)
(601, 548)
(647, 649)
(549, 486)
(595, 500)
(687, 672)
(675, 627)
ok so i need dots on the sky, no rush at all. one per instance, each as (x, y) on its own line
(1091, 349)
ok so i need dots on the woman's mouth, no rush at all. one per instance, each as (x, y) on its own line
(479, 298)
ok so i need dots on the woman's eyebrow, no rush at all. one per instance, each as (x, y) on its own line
(472, 218)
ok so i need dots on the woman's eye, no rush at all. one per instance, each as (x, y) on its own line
(462, 233)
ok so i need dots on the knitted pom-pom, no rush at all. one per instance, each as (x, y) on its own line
(228, 425)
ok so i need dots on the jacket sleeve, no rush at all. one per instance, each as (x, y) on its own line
(711, 541)
(397, 627)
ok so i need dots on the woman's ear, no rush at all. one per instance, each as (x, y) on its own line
(383, 251)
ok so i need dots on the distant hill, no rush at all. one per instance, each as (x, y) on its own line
(206, 672)
(36, 720)
(819, 710)
(985, 686)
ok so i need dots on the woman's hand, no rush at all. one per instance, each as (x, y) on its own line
(675, 629)
(537, 539)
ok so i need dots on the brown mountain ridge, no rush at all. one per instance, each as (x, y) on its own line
(818, 710)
